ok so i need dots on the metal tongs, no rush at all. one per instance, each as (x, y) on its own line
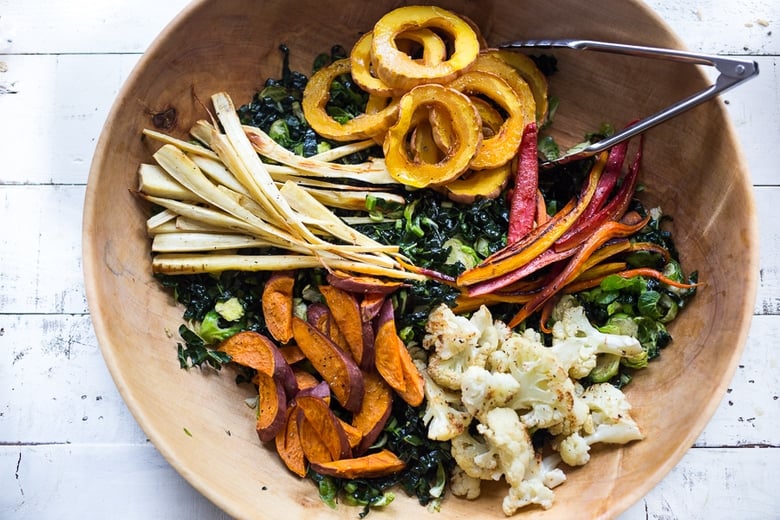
(732, 71)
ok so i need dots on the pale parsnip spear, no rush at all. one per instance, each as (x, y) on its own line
(209, 263)
(226, 199)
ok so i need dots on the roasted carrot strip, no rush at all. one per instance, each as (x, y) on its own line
(466, 303)
(544, 319)
(612, 210)
(653, 273)
(487, 270)
(593, 277)
(546, 258)
(541, 209)
(522, 209)
(573, 268)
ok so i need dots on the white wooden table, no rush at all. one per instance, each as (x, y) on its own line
(69, 448)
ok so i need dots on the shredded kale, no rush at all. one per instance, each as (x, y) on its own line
(276, 108)
(428, 463)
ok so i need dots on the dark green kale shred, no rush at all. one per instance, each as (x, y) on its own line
(428, 465)
(199, 294)
(276, 108)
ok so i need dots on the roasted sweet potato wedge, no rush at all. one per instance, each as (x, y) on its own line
(393, 361)
(288, 444)
(375, 411)
(379, 464)
(370, 305)
(254, 350)
(277, 303)
(335, 366)
(272, 407)
(325, 425)
(292, 354)
(346, 313)
(319, 315)
(312, 445)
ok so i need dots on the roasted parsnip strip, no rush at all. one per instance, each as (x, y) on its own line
(351, 200)
(158, 220)
(153, 180)
(200, 242)
(373, 172)
(181, 168)
(262, 187)
(305, 203)
(217, 172)
(220, 220)
(180, 144)
(209, 263)
(344, 150)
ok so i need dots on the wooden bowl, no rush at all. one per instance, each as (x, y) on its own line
(693, 166)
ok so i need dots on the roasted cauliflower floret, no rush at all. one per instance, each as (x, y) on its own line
(475, 457)
(547, 398)
(444, 413)
(457, 343)
(610, 422)
(577, 343)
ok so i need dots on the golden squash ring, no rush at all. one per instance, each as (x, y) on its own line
(466, 125)
(315, 99)
(398, 69)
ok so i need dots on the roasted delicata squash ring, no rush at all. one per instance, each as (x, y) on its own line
(491, 61)
(479, 184)
(501, 147)
(466, 125)
(434, 51)
(442, 128)
(376, 104)
(315, 99)
(424, 148)
(399, 69)
(528, 70)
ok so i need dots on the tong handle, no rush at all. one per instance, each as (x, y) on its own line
(733, 71)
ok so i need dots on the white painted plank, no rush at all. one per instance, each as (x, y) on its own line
(133, 481)
(712, 484)
(768, 293)
(754, 110)
(55, 385)
(724, 26)
(40, 250)
(750, 411)
(56, 113)
(125, 482)
(41, 26)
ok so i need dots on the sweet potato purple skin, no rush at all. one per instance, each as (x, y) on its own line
(336, 367)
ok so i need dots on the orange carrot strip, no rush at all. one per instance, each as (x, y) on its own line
(491, 269)
(573, 268)
(653, 273)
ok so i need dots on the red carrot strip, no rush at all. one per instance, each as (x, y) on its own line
(607, 231)
(547, 257)
(515, 256)
(613, 210)
(522, 208)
